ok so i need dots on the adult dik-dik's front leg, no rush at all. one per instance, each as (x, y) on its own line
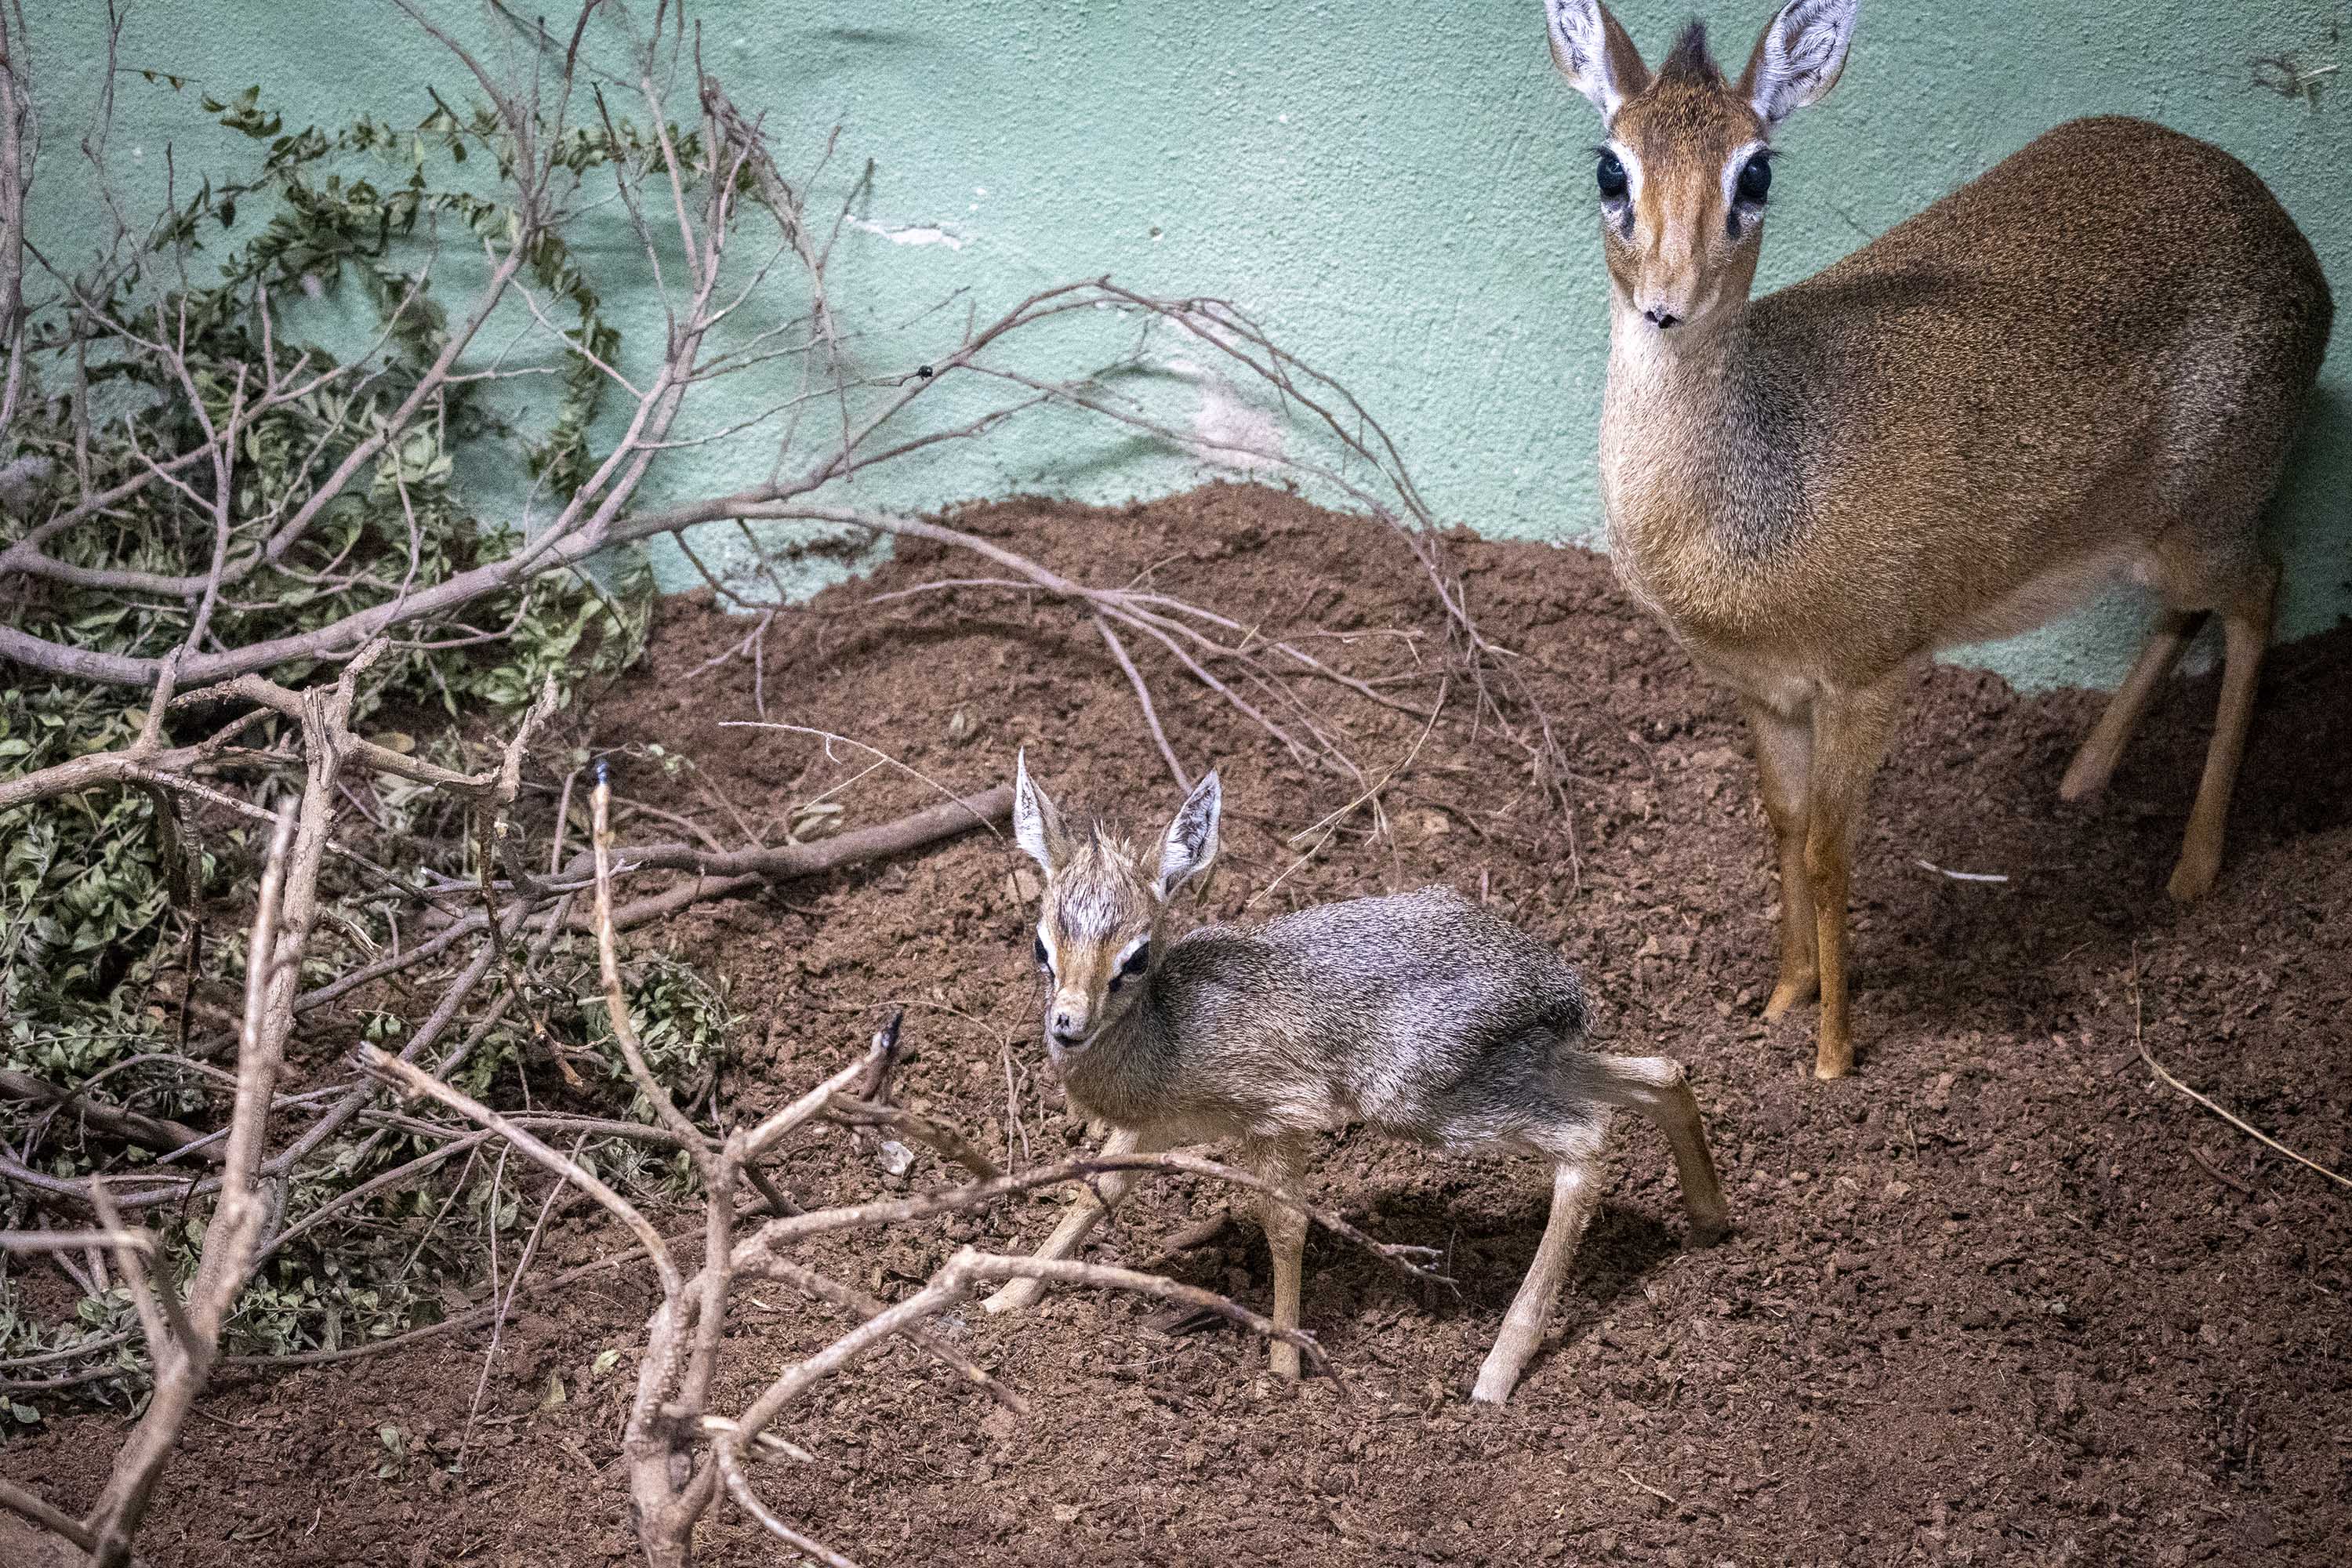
(1086, 1213)
(1851, 729)
(1784, 765)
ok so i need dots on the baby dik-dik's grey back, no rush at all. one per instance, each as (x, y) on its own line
(1423, 1014)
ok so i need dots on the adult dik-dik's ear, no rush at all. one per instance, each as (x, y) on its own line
(1036, 824)
(1594, 53)
(1191, 841)
(1798, 59)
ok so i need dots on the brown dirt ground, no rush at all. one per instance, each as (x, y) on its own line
(1999, 1298)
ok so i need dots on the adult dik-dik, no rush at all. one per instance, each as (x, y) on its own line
(1425, 1016)
(2088, 362)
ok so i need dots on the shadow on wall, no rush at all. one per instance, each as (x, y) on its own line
(2310, 525)
(2311, 519)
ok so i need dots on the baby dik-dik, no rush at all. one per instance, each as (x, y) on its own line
(1423, 1015)
(2088, 362)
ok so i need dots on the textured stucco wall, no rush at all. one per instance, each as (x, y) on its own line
(1404, 191)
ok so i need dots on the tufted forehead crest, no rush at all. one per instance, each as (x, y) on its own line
(1689, 62)
(1099, 892)
(1686, 116)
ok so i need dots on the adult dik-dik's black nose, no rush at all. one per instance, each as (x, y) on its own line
(1662, 317)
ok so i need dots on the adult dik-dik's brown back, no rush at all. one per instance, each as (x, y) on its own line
(2086, 363)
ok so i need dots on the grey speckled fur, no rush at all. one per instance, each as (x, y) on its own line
(1423, 1014)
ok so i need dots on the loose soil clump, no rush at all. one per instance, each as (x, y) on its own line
(1997, 1298)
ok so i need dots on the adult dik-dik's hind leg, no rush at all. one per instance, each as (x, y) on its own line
(2094, 763)
(1086, 1213)
(1851, 729)
(2246, 619)
(1784, 763)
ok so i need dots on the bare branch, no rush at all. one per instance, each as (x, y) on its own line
(184, 1358)
(616, 1000)
(388, 1068)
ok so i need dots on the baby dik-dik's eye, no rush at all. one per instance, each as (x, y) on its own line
(1043, 962)
(1755, 179)
(1611, 177)
(1134, 965)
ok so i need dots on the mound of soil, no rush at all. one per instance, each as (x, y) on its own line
(1997, 1298)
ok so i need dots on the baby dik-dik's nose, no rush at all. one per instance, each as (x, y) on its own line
(1066, 1027)
(1662, 317)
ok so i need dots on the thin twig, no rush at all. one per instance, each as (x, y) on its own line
(2165, 1077)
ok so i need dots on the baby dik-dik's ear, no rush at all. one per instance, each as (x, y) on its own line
(1594, 53)
(1191, 841)
(1036, 824)
(1797, 60)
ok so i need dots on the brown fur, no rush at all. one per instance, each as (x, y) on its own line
(2087, 363)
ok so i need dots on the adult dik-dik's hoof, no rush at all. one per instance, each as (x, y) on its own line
(1792, 991)
(2192, 878)
(1834, 1055)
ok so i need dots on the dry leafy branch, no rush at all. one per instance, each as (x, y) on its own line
(271, 543)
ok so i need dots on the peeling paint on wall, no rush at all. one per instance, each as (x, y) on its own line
(1231, 430)
(910, 234)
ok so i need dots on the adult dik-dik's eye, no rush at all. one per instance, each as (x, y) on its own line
(1136, 961)
(1044, 962)
(1755, 179)
(1611, 177)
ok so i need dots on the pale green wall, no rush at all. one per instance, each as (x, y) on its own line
(1401, 190)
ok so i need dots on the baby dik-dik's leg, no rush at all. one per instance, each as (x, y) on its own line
(1281, 1163)
(1658, 1089)
(1086, 1213)
(1575, 1193)
(1784, 763)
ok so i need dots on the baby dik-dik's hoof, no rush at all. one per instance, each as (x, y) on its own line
(1496, 1378)
(1017, 1296)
